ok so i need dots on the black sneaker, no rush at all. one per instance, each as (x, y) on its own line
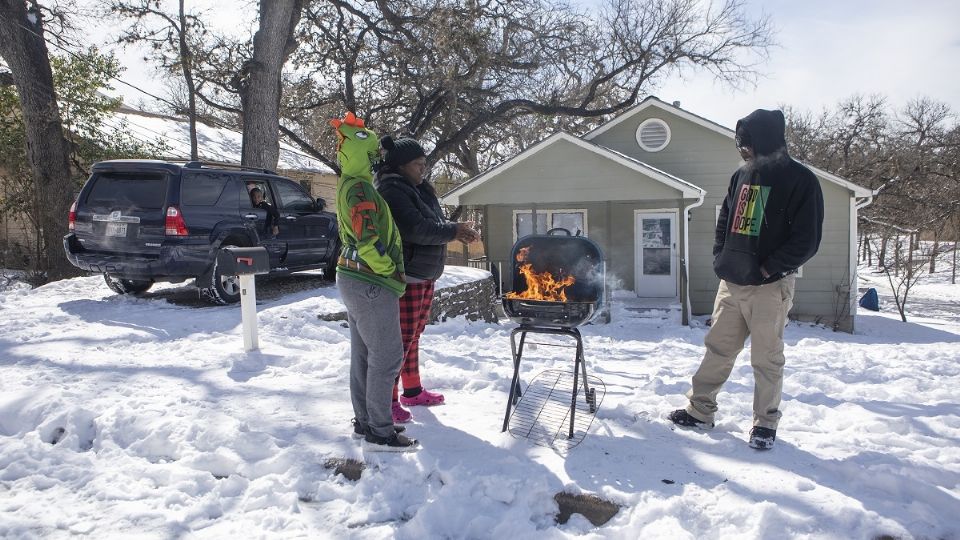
(682, 418)
(398, 442)
(762, 438)
(359, 431)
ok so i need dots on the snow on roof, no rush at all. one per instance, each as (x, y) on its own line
(214, 143)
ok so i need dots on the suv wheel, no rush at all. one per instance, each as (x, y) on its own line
(220, 288)
(127, 286)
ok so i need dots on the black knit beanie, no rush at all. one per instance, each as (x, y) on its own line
(400, 151)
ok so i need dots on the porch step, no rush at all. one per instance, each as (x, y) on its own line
(653, 313)
(651, 308)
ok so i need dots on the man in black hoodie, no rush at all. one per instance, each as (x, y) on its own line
(769, 225)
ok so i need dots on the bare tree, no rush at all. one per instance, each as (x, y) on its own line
(24, 51)
(467, 77)
(854, 140)
(904, 273)
(173, 39)
(924, 194)
(911, 158)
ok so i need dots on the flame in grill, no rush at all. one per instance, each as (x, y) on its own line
(542, 285)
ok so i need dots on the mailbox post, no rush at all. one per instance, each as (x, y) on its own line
(245, 263)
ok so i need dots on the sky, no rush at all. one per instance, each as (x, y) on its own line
(828, 50)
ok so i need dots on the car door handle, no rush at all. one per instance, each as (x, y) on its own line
(291, 218)
(250, 216)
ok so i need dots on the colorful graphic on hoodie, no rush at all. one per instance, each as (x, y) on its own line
(748, 211)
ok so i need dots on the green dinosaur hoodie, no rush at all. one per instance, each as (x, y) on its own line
(366, 226)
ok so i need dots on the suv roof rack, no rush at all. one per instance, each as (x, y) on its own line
(223, 165)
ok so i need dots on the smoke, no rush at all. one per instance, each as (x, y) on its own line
(766, 161)
(613, 282)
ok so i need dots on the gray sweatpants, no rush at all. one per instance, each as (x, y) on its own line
(738, 312)
(376, 351)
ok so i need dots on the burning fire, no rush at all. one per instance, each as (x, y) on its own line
(540, 286)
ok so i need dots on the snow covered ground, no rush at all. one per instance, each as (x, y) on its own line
(123, 417)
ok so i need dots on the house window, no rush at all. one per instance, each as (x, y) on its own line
(653, 135)
(717, 219)
(574, 221)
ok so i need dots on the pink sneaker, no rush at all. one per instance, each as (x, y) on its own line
(400, 415)
(425, 398)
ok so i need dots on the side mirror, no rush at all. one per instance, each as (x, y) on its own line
(321, 204)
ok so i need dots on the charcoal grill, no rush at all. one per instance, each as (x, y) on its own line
(563, 256)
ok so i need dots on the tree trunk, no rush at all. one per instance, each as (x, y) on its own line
(186, 64)
(25, 53)
(935, 251)
(260, 85)
(956, 243)
(882, 256)
(953, 273)
(897, 255)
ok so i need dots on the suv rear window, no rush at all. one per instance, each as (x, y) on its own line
(123, 189)
(202, 189)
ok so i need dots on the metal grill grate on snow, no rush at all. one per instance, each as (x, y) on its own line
(542, 415)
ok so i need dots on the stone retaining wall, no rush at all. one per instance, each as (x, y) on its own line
(476, 301)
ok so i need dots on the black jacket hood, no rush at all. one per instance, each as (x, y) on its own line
(766, 129)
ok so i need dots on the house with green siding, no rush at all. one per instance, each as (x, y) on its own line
(647, 187)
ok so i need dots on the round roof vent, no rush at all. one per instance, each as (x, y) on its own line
(653, 135)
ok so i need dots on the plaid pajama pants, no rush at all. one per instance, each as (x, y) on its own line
(414, 315)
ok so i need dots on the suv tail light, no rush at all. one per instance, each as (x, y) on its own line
(174, 224)
(72, 217)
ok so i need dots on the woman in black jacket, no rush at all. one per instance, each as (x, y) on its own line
(425, 233)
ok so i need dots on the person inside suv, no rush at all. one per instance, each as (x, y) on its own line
(273, 216)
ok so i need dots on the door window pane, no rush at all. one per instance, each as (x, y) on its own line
(656, 232)
(656, 261)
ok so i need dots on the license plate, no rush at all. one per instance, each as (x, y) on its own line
(116, 229)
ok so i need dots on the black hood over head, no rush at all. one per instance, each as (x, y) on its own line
(766, 131)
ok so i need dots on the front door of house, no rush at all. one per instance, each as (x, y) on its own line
(656, 254)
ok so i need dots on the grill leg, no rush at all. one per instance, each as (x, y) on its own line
(579, 364)
(589, 394)
(515, 382)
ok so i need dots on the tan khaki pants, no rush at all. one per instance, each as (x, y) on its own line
(759, 311)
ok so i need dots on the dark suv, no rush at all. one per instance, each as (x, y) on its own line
(141, 221)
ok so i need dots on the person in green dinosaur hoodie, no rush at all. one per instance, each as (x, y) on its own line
(371, 281)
